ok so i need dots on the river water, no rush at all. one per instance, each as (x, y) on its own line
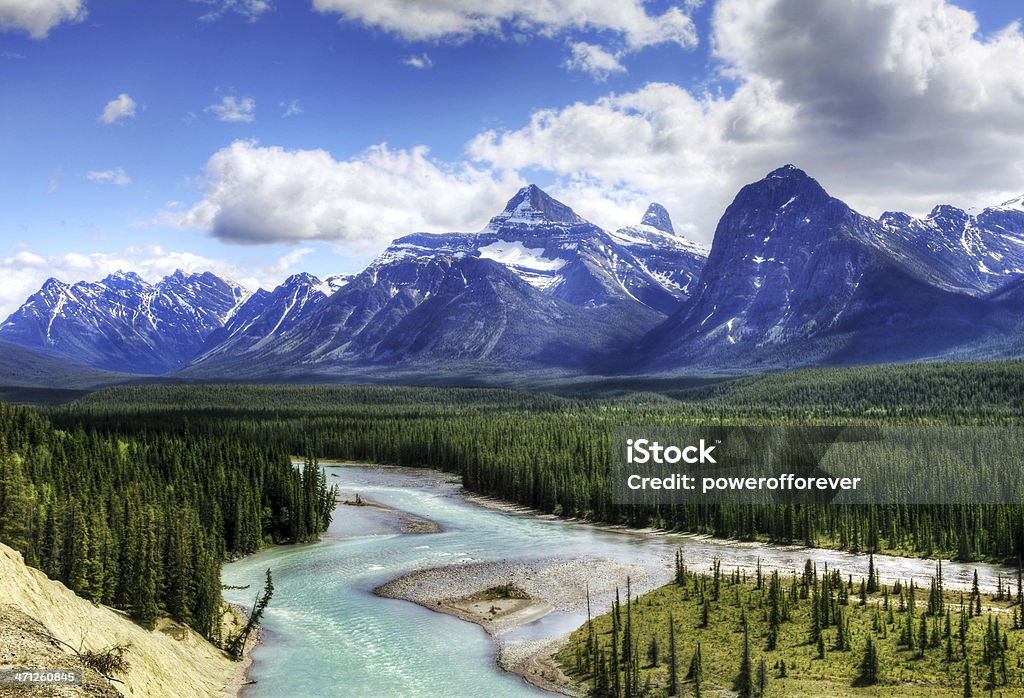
(326, 634)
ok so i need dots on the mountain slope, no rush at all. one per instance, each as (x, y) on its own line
(21, 367)
(656, 249)
(796, 277)
(123, 323)
(266, 314)
(971, 253)
(441, 312)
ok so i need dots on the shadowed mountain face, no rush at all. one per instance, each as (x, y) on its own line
(795, 277)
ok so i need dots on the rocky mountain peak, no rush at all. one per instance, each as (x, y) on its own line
(657, 217)
(531, 204)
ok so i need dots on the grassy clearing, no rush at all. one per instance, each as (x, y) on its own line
(903, 669)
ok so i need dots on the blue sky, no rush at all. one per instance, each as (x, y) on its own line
(259, 138)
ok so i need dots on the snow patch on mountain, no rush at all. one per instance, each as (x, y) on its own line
(516, 254)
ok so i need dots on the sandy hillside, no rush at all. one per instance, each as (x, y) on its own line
(170, 661)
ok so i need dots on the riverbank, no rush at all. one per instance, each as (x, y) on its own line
(519, 575)
(172, 660)
(502, 596)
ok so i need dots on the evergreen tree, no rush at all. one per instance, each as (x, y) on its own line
(652, 651)
(868, 665)
(744, 682)
(673, 659)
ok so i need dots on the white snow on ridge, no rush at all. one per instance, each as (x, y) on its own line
(333, 284)
(517, 254)
(649, 236)
(1013, 204)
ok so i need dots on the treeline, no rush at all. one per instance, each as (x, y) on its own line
(143, 522)
(552, 452)
(813, 632)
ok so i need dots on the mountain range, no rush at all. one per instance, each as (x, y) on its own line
(794, 277)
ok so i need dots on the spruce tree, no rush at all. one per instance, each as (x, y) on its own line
(673, 659)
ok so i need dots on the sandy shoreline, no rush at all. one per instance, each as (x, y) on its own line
(504, 595)
(407, 521)
(240, 676)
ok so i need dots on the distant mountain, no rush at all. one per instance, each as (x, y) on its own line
(539, 287)
(654, 247)
(549, 246)
(123, 323)
(266, 314)
(968, 252)
(795, 276)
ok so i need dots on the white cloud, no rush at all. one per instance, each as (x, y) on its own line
(889, 104)
(117, 177)
(38, 17)
(24, 273)
(120, 108)
(893, 98)
(460, 19)
(291, 108)
(249, 9)
(288, 262)
(659, 143)
(233, 109)
(593, 60)
(420, 62)
(260, 194)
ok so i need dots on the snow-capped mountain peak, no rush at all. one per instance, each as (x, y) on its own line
(531, 204)
(123, 322)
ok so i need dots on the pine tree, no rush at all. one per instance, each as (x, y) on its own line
(744, 683)
(696, 673)
(673, 659)
(868, 666)
(652, 651)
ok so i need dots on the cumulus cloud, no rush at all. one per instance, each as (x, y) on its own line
(890, 104)
(23, 273)
(117, 177)
(461, 19)
(420, 62)
(905, 97)
(118, 109)
(38, 17)
(249, 9)
(258, 194)
(233, 109)
(593, 60)
(658, 142)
